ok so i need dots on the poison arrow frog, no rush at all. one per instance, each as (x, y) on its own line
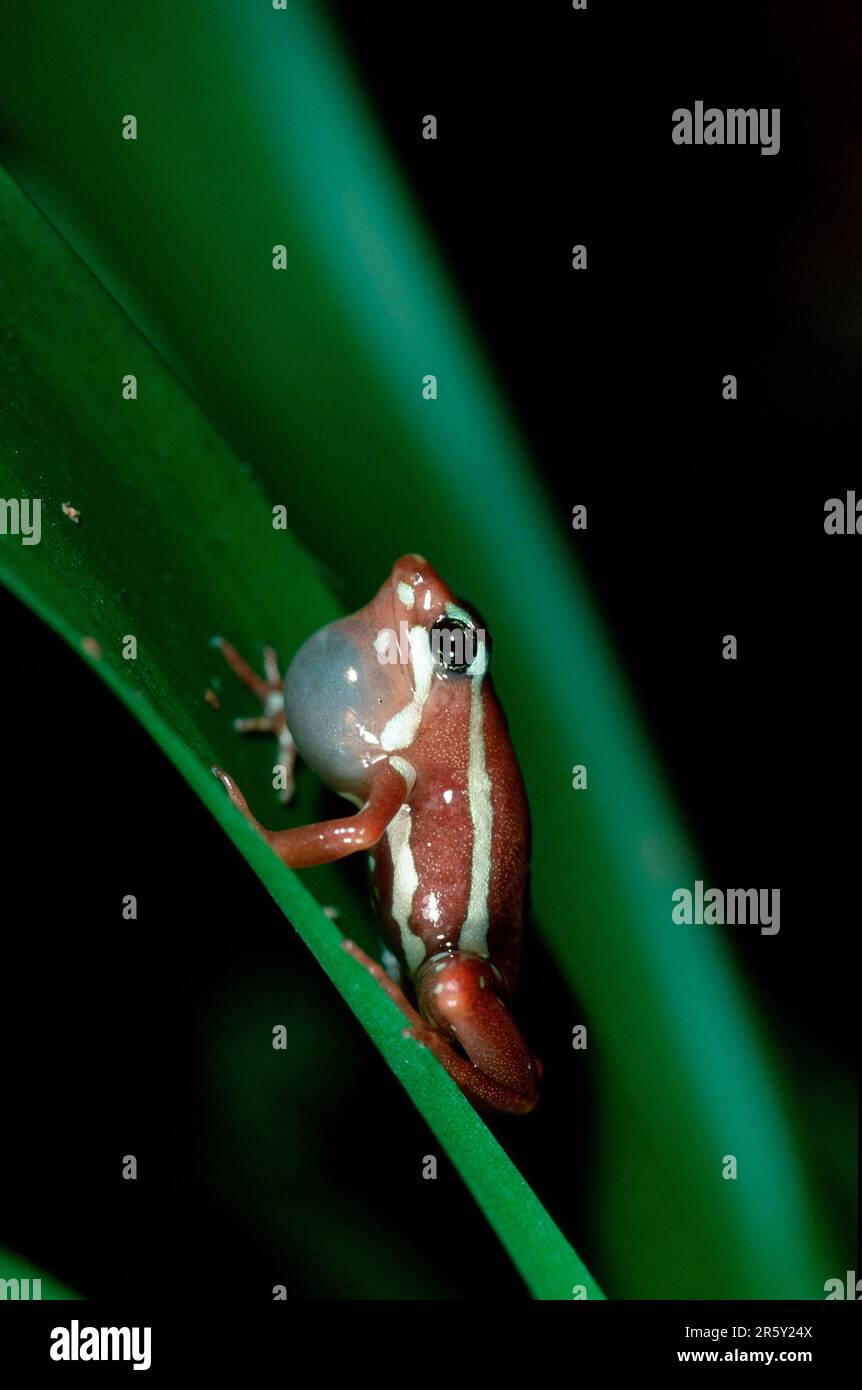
(394, 709)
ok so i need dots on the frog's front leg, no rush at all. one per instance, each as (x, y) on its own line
(306, 846)
(458, 991)
(269, 689)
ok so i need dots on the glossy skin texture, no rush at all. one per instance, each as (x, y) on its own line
(393, 708)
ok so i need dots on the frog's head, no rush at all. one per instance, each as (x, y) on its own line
(367, 686)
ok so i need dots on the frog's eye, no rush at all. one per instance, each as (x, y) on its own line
(457, 645)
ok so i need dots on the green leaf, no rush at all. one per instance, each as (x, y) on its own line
(174, 541)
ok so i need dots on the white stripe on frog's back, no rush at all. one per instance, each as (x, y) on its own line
(398, 733)
(405, 881)
(474, 929)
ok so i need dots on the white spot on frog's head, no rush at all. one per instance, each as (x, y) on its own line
(383, 643)
(427, 601)
(406, 594)
(352, 674)
(447, 796)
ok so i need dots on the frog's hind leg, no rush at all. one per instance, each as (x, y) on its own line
(269, 689)
(485, 1090)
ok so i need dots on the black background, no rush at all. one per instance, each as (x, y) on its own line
(705, 518)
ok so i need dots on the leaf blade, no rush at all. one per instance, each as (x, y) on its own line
(80, 581)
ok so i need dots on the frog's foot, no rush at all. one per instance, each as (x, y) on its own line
(505, 1088)
(269, 689)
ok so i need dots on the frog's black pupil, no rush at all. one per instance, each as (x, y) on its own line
(453, 645)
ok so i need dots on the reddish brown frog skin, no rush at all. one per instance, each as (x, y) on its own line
(394, 708)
